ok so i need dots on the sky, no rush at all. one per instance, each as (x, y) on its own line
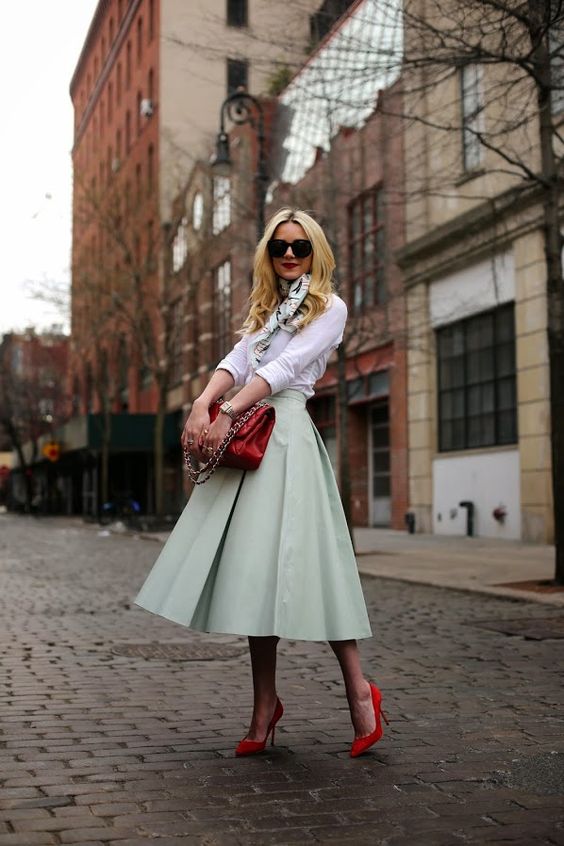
(40, 48)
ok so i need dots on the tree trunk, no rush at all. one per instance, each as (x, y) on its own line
(105, 451)
(159, 452)
(555, 288)
(16, 444)
(343, 437)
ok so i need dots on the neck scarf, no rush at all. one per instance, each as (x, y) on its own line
(286, 317)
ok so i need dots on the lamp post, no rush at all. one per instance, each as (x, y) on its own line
(241, 108)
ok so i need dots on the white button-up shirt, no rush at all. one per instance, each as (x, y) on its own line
(295, 360)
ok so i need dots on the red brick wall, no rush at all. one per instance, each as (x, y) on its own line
(102, 95)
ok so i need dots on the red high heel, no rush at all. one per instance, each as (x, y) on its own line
(251, 747)
(361, 744)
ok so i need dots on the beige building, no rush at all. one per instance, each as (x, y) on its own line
(478, 379)
(208, 48)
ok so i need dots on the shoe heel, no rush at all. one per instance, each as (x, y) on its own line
(383, 714)
(272, 738)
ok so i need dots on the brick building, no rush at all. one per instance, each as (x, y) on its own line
(33, 403)
(355, 188)
(476, 288)
(146, 92)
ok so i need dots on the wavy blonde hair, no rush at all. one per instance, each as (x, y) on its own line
(265, 295)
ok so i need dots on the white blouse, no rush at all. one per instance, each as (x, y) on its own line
(295, 360)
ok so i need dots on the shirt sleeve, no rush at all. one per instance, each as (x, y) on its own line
(319, 337)
(235, 362)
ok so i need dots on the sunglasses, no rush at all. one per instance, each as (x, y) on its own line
(300, 248)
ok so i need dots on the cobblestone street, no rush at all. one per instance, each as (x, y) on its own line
(119, 727)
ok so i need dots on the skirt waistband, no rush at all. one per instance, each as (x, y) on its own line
(288, 394)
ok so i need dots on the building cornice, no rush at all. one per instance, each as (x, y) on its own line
(489, 227)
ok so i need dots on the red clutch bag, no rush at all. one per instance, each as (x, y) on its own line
(244, 445)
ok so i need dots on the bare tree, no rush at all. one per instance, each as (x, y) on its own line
(124, 289)
(32, 397)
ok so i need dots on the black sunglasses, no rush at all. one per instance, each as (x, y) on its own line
(300, 248)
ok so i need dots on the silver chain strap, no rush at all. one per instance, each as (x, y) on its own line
(209, 468)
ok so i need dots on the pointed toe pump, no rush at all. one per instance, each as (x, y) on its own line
(251, 747)
(361, 744)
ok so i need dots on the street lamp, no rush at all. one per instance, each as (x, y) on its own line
(241, 108)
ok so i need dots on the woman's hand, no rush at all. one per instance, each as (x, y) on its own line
(217, 432)
(196, 429)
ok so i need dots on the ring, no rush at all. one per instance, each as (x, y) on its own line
(209, 450)
(190, 441)
(206, 431)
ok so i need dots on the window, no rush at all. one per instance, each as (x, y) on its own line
(222, 310)
(221, 203)
(179, 246)
(139, 40)
(128, 65)
(118, 145)
(138, 177)
(110, 102)
(367, 250)
(150, 168)
(476, 381)
(237, 74)
(118, 83)
(111, 31)
(472, 115)
(138, 117)
(151, 26)
(151, 247)
(120, 9)
(127, 131)
(237, 12)
(197, 211)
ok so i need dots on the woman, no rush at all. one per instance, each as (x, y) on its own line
(267, 553)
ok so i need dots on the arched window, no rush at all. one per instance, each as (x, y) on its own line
(128, 65)
(150, 168)
(139, 39)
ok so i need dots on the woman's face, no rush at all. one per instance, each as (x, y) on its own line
(289, 267)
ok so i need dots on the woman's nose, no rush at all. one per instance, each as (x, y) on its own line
(289, 250)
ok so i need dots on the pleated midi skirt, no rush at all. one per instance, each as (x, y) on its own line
(264, 552)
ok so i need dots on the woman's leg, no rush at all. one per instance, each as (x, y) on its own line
(357, 688)
(263, 663)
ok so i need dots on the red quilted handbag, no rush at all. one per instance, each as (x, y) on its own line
(243, 446)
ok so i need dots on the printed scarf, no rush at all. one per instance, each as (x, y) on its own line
(286, 317)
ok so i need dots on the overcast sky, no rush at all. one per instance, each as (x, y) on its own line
(40, 48)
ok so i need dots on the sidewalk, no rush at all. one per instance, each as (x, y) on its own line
(476, 564)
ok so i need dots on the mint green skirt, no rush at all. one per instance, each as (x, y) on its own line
(264, 552)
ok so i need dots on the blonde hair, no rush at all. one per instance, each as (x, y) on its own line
(265, 295)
